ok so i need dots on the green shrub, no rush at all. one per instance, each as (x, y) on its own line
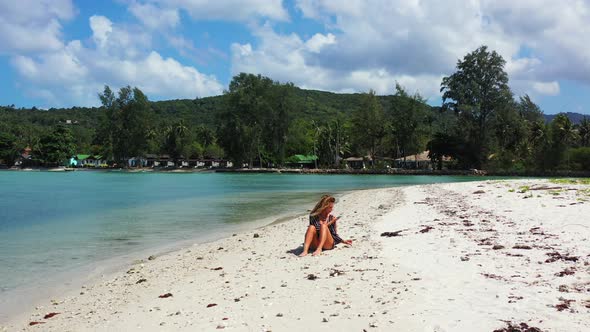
(579, 158)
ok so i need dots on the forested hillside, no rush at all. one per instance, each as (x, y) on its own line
(259, 121)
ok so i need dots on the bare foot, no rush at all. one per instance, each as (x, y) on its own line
(303, 254)
(316, 253)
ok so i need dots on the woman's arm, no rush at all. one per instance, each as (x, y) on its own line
(332, 220)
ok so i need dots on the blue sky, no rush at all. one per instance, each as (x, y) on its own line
(60, 53)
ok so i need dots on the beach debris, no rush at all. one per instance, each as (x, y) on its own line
(324, 320)
(256, 235)
(279, 315)
(565, 304)
(211, 305)
(220, 327)
(484, 242)
(519, 246)
(217, 268)
(220, 248)
(566, 272)
(464, 259)
(477, 192)
(390, 234)
(555, 256)
(536, 231)
(163, 296)
(151, 258)
(522, 327)
(498, 247)
(493, 276)
(336, 272)
(141, 280)
(35, 323)
(51, 314)
(546, 188)
(427, 229)
(311, 276)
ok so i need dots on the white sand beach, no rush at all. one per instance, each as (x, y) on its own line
(473, 256)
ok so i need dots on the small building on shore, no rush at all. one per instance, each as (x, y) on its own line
(302, 161)
(415, 161)
(358, 162)
(25, 159)
(95, 160)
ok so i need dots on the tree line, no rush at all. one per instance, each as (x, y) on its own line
(262, 122)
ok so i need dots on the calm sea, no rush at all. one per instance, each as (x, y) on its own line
(51, 223)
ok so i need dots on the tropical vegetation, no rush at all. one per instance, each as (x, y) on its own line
(261, 122)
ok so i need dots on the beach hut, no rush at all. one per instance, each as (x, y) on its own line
(25, 158)
(94, 160)
(79, 160)
(415, 161)
(151, 160)
(302, 161)
(355, 162)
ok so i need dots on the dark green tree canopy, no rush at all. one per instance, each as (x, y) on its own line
(476, 92)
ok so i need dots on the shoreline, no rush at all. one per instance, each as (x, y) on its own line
(444, 262)
(64, 283)
(304, 171)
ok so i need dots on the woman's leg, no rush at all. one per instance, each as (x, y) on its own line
(325, 240)
(310, 238)
(329, 244)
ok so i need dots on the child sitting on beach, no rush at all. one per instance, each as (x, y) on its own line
(322, 230)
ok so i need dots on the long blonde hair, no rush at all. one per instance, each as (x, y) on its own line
(322, 205)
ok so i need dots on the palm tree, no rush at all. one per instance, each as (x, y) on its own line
(563, 135)
(181, 129)
(205, 135)
(584, 131)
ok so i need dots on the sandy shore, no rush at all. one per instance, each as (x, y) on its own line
(472, 256)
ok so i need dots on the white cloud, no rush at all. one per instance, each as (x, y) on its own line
(155, 17)
(74, 74)
(318, 41)
(285, 58)
(547, 88)
(228, 10)
(101, 27)
(31, 26)
(418, 42)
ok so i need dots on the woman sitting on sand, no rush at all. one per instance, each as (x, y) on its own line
(321, 233)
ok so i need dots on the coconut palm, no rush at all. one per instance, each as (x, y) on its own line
(584, 131)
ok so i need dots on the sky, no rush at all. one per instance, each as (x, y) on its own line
(61, 53)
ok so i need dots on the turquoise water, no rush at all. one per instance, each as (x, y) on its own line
(51, 223)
